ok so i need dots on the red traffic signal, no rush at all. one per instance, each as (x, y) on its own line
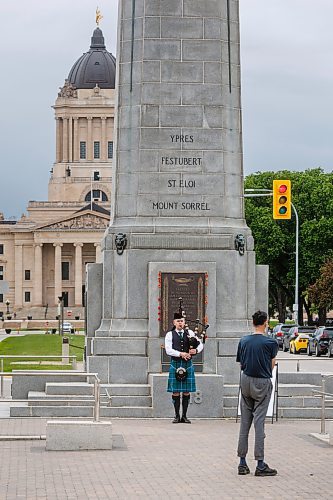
(281, 199)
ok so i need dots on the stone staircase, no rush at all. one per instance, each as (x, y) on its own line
(76, 399)
(39, 312)
(296, 399)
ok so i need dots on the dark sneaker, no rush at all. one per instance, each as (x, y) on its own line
(265, 471)
(176, 420)
(243, 470)
(185, 420)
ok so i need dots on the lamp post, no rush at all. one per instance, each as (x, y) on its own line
(296, 268)
(61, 314)
(7, 304)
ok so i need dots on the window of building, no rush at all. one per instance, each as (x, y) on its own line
(1, 297)
(110, 149)
(83, 150)
(1, 273)
(97, 195)
(65, 271)
(27, 274)
(27, 297)
(96, 150)
(1, 249)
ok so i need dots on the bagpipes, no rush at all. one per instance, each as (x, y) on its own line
(181, 371)
(194, 342)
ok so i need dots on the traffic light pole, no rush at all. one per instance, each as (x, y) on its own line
(269, 192)
(296, 267)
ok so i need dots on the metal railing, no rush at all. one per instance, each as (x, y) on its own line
(97, 384)
(325, 397)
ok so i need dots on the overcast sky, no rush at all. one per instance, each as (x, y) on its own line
(287, 84)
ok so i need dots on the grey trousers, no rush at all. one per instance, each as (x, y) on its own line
(255, 396)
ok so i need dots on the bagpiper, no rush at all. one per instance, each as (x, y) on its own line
(181, 344)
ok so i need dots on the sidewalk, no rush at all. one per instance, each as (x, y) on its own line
(154, 459)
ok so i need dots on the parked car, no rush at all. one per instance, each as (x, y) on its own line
(291, 336)
(67, 327)
(279, 332)
(319, 343)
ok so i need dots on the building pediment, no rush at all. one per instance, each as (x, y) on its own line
(84, 222)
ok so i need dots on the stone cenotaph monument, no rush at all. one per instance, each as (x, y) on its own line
(177, 218)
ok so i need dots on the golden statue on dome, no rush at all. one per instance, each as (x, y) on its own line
(98, 16)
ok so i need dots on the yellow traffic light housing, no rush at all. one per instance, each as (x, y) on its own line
(281, 199)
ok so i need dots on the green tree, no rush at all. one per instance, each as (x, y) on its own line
(312, 195)
(321, 292)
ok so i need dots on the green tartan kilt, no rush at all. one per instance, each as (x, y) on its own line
(187, 385)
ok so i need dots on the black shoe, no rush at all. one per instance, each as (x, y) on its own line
(176, 420)
(243, 470)
(185, 420)
(265, 471)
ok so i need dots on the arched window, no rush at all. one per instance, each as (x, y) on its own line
(97, 194)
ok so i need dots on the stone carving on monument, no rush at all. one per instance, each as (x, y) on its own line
(178, 198)
(83, 222)
(68, 90)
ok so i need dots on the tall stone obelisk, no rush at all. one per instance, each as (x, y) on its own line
(177, 188)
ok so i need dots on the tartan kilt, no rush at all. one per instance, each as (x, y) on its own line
(187, 385)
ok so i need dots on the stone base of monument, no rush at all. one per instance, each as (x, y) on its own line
(207, 402)
(74, 435)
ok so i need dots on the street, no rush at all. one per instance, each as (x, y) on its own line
(288, 363)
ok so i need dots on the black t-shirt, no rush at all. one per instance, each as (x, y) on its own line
(255, 353)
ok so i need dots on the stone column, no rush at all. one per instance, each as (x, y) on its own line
(65, 140)
(98, 252)
(18, 275)
(78, 273)
(103, 140)
(58, 140)
(76, 140)
(38, 276)
(57, 272)
(89, 140)
(70, 139)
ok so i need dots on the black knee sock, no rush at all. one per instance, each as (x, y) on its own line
(186, 400)
(176, 403)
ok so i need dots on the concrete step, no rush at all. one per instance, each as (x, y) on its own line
(285, 389)
(51, 411)
(121, 334)
(127, 412)
(79, 411)
(299, 402)
(230, 389)
(41, 399)
(126, 389)
(295, 378)
(69, 402)
(120, 401)
(229, 412)
(35, 395)
(310, 413)
(69, 388)
(297, 390)
(230, 401)
(284, 402)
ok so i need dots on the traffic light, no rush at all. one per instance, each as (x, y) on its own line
(281, 199)
(96, 176)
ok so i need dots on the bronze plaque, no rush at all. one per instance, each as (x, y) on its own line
(192, 288)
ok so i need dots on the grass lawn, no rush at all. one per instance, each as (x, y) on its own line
(39, 345)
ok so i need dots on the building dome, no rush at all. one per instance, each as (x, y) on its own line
(98, 66)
